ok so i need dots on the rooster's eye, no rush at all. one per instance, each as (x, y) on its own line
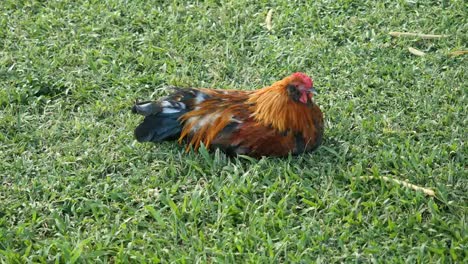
(293, 92)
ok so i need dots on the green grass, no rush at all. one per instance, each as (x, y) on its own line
(76, 187)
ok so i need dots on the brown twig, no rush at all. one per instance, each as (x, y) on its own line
(426, 191)
(458, 52)
(418, 35)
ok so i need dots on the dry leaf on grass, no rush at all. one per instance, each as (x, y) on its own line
(269, 26)
(416, 52)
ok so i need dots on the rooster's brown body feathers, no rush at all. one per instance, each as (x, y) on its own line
(273, 121)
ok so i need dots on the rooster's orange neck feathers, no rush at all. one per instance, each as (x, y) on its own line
(271, 106)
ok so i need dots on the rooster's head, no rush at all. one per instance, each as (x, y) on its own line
(300, 87)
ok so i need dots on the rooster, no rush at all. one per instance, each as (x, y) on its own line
(272, 121)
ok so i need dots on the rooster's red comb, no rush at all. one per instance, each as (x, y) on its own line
(304, 78)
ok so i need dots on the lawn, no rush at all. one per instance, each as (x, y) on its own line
(76, 186)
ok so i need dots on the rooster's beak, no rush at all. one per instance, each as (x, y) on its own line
(313, 91)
